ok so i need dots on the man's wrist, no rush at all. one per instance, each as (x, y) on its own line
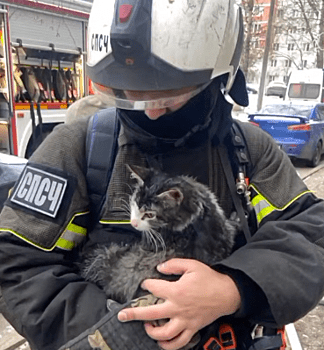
(252, 297)
(234, 296)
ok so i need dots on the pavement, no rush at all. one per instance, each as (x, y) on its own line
(309, 334)
(309, 328)
(305, 334)
(9, 338)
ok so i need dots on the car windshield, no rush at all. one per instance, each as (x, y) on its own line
(286, 110)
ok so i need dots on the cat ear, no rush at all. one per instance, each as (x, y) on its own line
(138, 173)
(174, 196)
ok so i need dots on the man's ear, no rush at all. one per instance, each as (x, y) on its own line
(139, 173)
(238, 90)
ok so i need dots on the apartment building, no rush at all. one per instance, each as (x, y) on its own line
(294, 38)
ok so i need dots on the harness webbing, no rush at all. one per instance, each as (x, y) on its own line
(235, 196)
(101, 150)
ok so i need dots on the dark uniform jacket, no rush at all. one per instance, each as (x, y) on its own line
(280, 273)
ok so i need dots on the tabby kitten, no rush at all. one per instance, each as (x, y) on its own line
(177, 217)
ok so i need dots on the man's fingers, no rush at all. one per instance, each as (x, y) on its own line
(166, 331)
(177, 266)
(170, 336)
(176, 343)
(159, 288)
(150, 313)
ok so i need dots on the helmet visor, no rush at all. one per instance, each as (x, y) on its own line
(144, 100)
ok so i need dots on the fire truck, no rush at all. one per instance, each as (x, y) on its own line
(42, 68)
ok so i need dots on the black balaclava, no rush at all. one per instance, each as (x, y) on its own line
(205, 116)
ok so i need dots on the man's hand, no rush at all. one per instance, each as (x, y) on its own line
(197, 299)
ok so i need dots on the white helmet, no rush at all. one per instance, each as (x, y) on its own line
(162, 45)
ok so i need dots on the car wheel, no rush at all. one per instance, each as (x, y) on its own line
(317, 155)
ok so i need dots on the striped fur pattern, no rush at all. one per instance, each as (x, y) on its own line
(177, 217)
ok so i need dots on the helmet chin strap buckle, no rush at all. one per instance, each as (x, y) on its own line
(235, 92)
(228, 98)
(226, 94)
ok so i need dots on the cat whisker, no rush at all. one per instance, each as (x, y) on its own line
(147, 237)
(156, 232)
(125, 207)
(91, 270)
(160, 239)
(155, 239)
(121, 196)
(151, 239)
(125, 202)
(127, 212)
(129, 187)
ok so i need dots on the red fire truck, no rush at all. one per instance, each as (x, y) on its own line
(42, 61)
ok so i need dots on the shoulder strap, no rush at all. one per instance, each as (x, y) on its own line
(242, 158)
(233, 189)
(238, 187)
(101, 150)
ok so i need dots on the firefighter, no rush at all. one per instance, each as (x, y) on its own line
(171, 68)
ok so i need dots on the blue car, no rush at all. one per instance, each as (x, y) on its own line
(297, 127)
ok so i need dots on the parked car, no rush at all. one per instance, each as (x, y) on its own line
(276, 88)
(298, 128)
(252, 88)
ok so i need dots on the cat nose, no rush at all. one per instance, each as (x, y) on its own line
(134, 223)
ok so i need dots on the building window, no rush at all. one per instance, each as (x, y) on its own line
(272, 78)
(257, 28)
(291, 47)
(306, 46)
(311, 14)
(280, 13)
(276, 47)
(287, 63)
(273, 63)
(292, 30)
(259, 10)
(305, 63)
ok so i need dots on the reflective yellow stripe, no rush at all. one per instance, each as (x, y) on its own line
(72, 236)
(264, 212)
(115, 222)
(65, 244)
(263, 207)
(77, 229)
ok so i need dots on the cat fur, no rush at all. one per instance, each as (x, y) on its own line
(189, 223)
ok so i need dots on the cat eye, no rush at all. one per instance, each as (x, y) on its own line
(148, 216)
